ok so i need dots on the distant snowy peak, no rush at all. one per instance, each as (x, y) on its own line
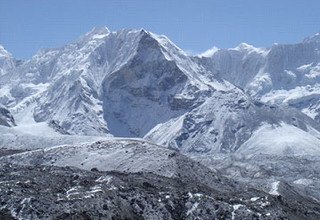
(96, 33)
(314, 38)
(249, 49)
(4, 52)
(7, 63)
(243, 48)
(98, 30)
(209, 53)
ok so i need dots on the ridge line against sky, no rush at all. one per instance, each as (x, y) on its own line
(194, 26)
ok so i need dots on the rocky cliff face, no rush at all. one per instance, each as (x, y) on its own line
(6, 119)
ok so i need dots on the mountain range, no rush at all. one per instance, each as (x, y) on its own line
(140, 98)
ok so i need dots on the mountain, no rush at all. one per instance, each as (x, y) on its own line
(74, 85)
(133, 83)
(281, 74)
(230, 122)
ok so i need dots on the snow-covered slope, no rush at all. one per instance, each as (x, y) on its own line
(282, 139)
(37, 136)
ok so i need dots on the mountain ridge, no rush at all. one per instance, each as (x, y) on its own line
(131, 82)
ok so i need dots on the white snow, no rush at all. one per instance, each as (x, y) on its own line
(235, 208)
(36, 129)
(5, 91)
(304, 182)
(274, 188)
(295, 95)
(99, 36)
(249, 48)
(104, 179)
(209, 53)
(253, 199)
(4, 53)
(20, 139)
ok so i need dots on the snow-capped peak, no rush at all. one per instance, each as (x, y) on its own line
(244, 46)
(4, 52)
(6, 62)
(98, 30)
(209, 53)
(314, 38)
(96, 33)
(249, 48)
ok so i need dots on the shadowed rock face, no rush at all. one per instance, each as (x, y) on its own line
(141, 94)
(6, 119)
(68, 193)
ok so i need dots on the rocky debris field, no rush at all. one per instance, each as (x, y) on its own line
(48, 192)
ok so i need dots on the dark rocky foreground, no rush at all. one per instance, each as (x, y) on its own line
(43, 192)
